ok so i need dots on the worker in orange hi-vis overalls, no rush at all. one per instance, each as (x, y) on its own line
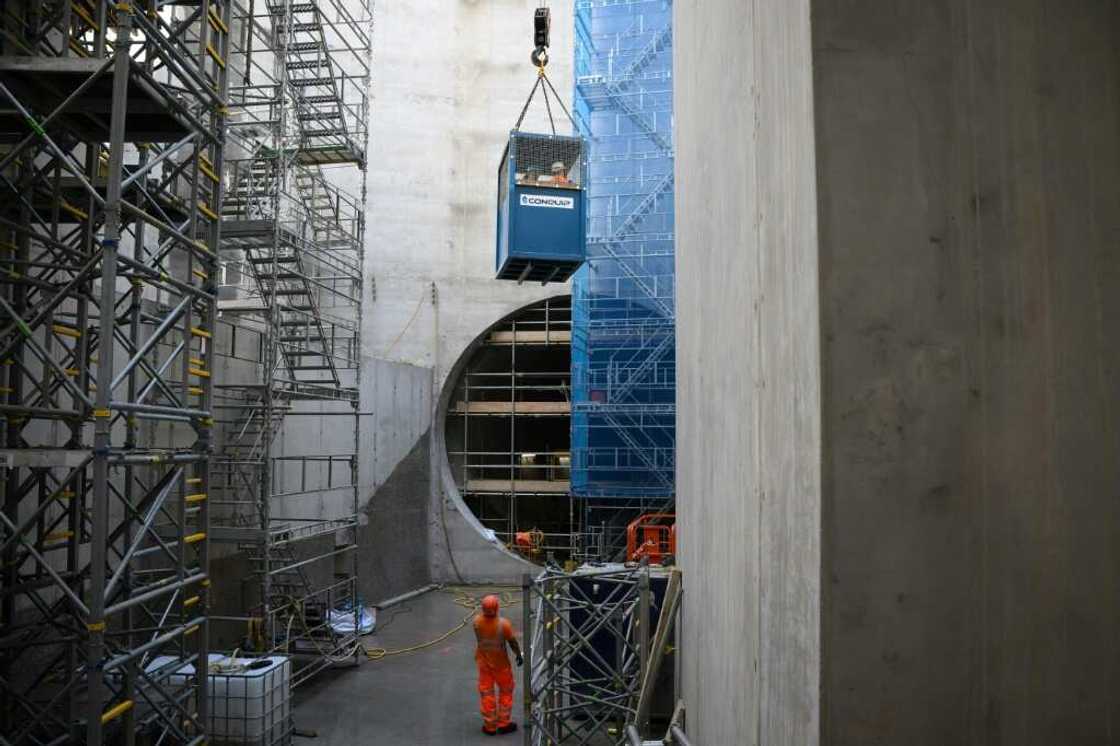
(493, 634)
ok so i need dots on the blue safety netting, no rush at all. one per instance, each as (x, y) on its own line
(623, 345)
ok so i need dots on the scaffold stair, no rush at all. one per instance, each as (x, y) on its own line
(312, 73)
(612, 245)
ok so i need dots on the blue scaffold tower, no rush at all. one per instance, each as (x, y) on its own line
(623, 315)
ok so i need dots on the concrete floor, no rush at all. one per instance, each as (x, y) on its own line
(426, 697)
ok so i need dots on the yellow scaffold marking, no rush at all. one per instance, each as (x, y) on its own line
(85, 16)
(82, 214)
(207, 212)
(58, 537)
(213, 53)
(217, 22)
(205, 168)
(116, 712)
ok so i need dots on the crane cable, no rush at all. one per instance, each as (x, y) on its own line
(543, 76)
(539, 58)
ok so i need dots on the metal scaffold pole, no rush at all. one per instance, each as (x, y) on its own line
(588, 639)
(110, 187)
(99, 514)
(290, 301)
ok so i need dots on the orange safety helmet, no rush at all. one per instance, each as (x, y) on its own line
(490, 606)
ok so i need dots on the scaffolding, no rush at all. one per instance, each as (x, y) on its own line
(623, 314)
(112, 121)
(507, 429)
(290, 312)
(598, 638)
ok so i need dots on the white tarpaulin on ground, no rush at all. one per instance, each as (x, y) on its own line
(342, 621)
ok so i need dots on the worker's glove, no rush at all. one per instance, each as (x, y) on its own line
(520, 660)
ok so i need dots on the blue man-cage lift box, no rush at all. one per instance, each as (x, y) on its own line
(542, 214)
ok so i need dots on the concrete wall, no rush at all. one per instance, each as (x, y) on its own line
(965, 276)
(393, 478)
(393, 537)
(397, 401)
(450, 80)
(411, 512)
(748, 431)
(969, 174)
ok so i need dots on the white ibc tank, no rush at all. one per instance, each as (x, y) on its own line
(250, 698)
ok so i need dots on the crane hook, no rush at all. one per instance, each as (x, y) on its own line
(542, 23)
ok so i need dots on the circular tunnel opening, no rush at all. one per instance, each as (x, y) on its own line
(508, 431)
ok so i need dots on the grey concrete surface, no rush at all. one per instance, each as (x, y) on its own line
(393, 537)
(950, 574)
(473, 558)
(451, 78)
(748, 432)
(319, 489)
(397, 398)
(969, 173)
(428, 698)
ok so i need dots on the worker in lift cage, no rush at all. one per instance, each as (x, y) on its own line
(494, 633)
(560, 175)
